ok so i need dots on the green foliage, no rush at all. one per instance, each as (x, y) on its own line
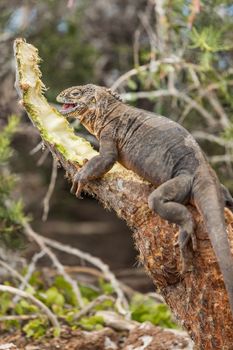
(52, 297)
(92, 323)
(66, 289)
(35, 328)
(106, 287)
(88, 293)
(59, 297)
(208, 39)
(6, 137)
(11, 209)
(5, 302)
(23, 307)
(146, 309)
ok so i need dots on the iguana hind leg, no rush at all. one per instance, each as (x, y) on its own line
(167, 201)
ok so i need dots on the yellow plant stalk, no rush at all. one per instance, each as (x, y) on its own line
(53, 127)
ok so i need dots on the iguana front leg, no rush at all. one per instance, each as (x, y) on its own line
(97, 166)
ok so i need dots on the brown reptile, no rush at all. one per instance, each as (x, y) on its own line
(162, 152)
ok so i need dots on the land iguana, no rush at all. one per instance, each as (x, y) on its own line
(162, 152)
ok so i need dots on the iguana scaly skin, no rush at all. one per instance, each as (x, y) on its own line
(162, 152)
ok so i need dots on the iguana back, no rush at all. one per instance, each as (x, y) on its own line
(153, 146)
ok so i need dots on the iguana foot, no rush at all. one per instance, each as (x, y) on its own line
(185, 236)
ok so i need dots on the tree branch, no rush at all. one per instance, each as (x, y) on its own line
(198, 299)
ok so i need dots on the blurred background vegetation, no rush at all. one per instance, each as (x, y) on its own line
(170, 57)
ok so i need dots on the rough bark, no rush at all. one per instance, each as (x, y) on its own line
(198, 299)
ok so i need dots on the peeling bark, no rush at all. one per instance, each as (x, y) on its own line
(198, 299)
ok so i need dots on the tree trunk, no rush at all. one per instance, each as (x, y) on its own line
(198, 299)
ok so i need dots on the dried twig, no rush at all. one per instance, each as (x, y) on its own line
(42, 306)
(37, 148)
(150, 33)
(8, 346)
(15, 273)
(43, 157)
(115, 321)
(121, 302)
(224, 158)
(161, 26)
(49, 191)
(215, 103)
(136, 47)
(97, 301)
(124, 77)
(215, 86)
(41, 242)
(29, 273)
(180, 95)
(18, 317)
(202, 135)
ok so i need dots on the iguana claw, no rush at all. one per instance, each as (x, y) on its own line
(77, 186)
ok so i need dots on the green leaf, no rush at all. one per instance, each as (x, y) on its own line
(52, 296)
(23, 307)
(208, 39)
(35, 328)
(106, 286)
(5, 303)
(66, 289)
(132, 84)
(146, 309)
(56, 332)
(92, 322)
(88, 292)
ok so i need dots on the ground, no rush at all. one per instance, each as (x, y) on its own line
(141, 337)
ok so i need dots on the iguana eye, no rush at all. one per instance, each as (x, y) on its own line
(76, 93)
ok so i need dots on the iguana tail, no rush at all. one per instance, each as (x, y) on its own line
(208, 198)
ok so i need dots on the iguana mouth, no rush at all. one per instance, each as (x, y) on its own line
(68, 107)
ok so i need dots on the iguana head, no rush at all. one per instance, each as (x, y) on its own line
(87, 103)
